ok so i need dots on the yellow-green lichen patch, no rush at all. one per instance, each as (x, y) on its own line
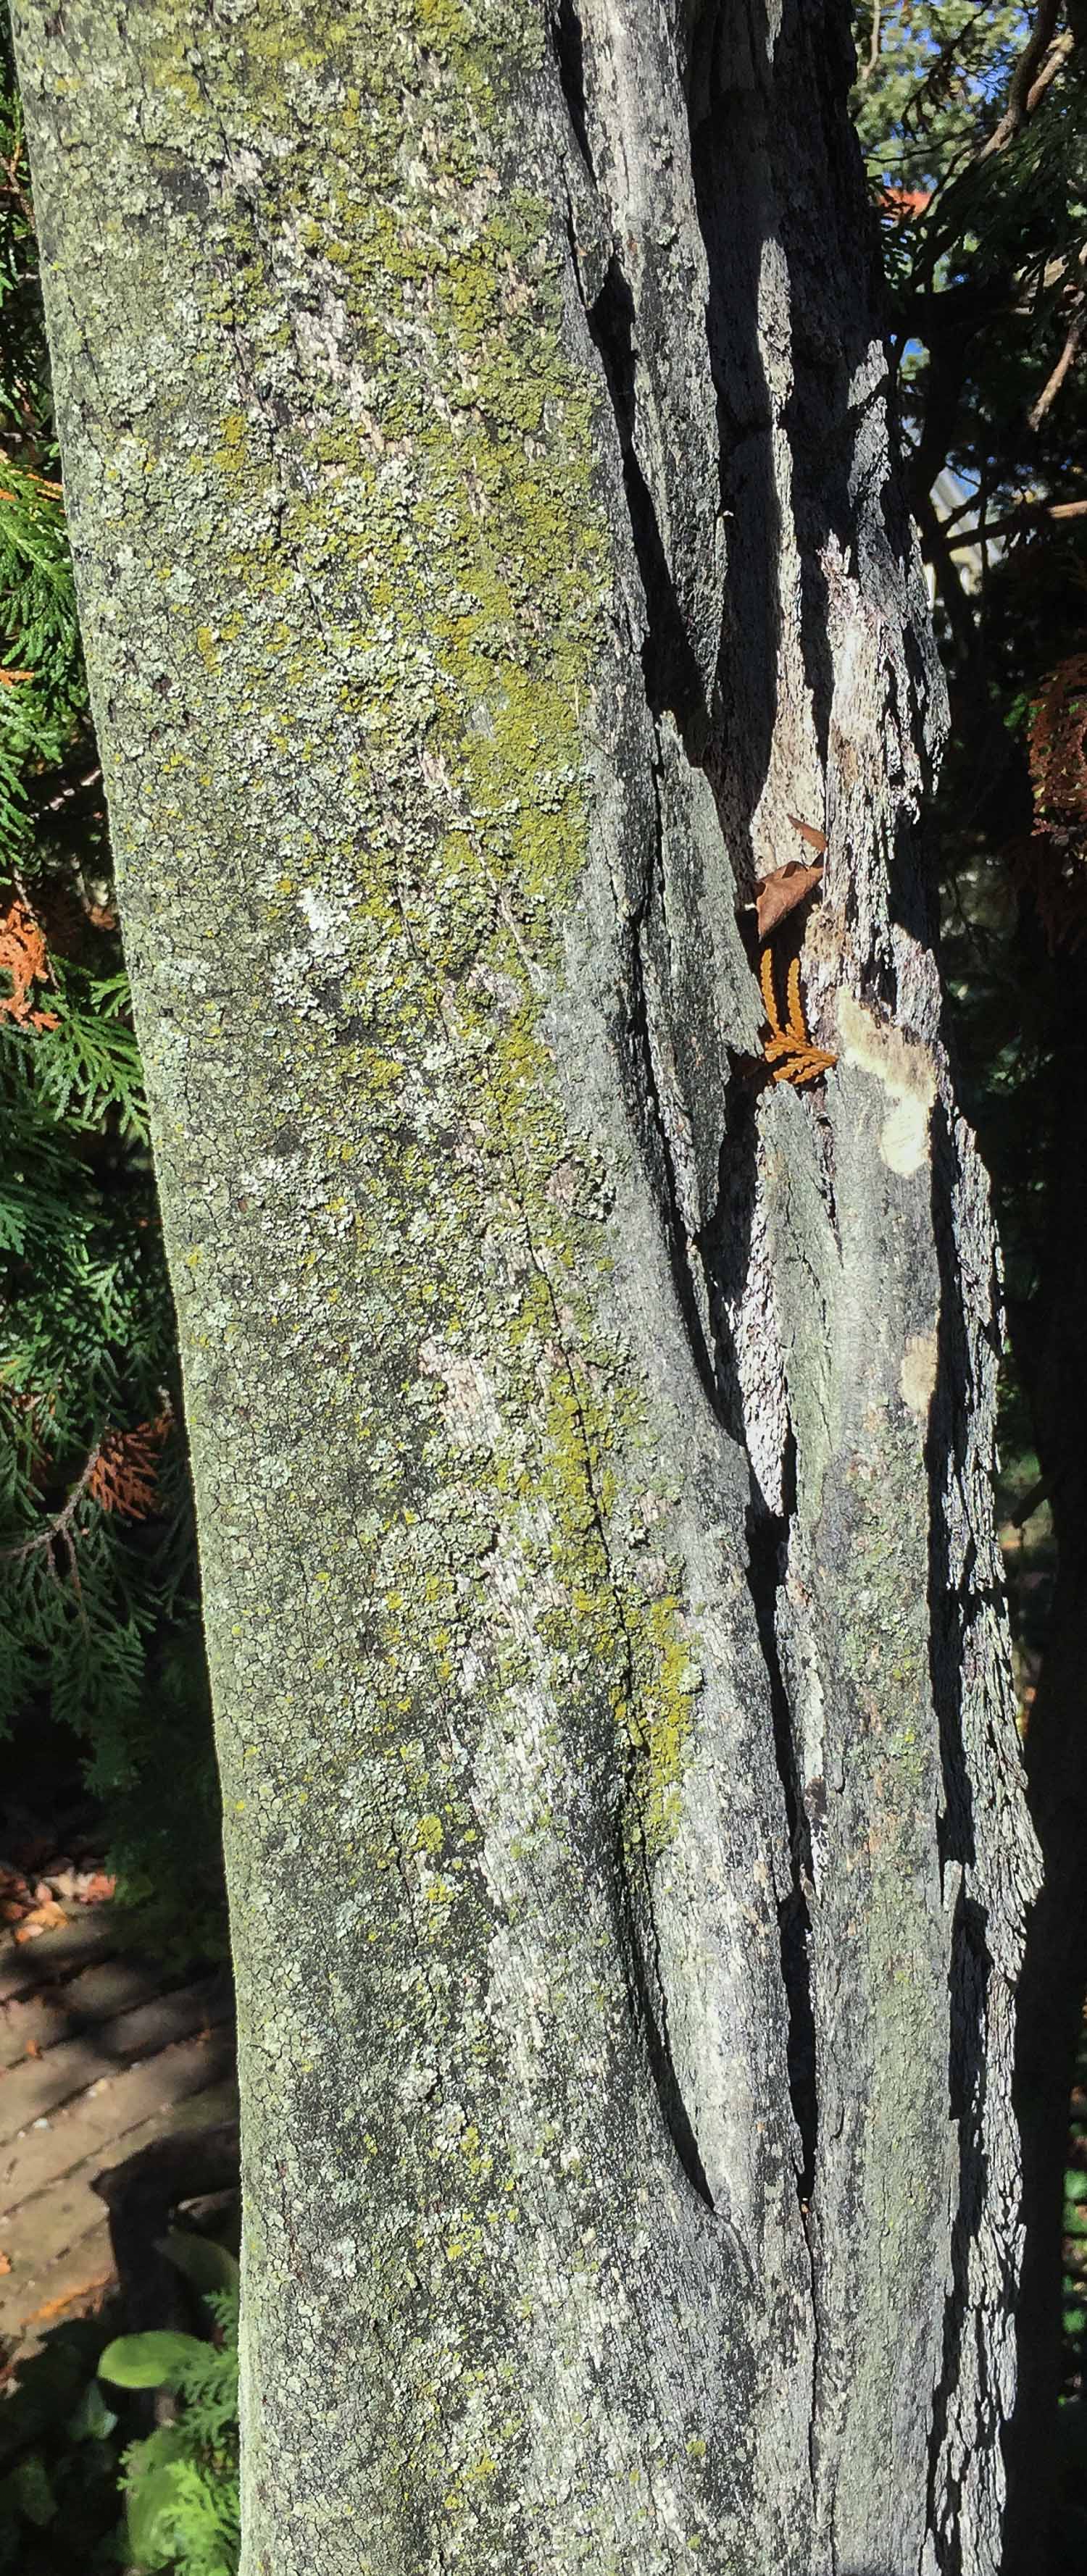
(661, 1718)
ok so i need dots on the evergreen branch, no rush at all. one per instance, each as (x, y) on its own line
(59, 1526)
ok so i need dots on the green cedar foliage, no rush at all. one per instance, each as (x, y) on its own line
(77, 2496)
(181, 2483)
(926, 69)
(99, 1613)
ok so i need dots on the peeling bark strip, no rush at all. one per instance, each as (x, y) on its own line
(477, 455)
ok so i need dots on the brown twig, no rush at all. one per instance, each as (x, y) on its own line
(1029, 514)
(59, 1527)
(1069, 353)
(1027, 80)
(1062, 47)
(868, 67)
(1031, 1502)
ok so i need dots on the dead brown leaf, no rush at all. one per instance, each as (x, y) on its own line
(781, 891)
(95, 1886)
(42, 1918)
(89, 2290)
(810, 833)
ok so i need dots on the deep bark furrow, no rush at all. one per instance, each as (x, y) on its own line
(767, 1558)
(672, 680)
(886, 965)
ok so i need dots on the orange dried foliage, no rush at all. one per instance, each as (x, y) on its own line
(125, 1472)
(812, 833)
(41, 1918)
(44, 482)
(789, 1049)
(98, 1888)
(95, 2290)
(23, 957)
(904, 204)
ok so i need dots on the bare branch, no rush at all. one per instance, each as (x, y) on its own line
(1025, 79)
(58, 1527)
(1052, 386)
(1058, 55)
(867, 68)
(1029, 514)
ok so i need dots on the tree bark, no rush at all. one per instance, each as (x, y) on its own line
(1050, 1336)
(476, 445)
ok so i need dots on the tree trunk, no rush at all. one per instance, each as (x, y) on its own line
(478, 463)
(1051, 1352)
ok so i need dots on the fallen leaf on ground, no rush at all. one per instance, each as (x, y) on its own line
(778, 893)
(43, 1918)
(94, 1886)
(5, 2262)
(88, 2290)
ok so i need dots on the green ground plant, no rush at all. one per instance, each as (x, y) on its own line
(78, 2494)
(181, 2481)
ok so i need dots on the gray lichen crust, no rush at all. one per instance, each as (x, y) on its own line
(477, 465)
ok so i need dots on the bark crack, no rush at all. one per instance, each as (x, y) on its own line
(569, 44)
(669, 664)
(677, 1241)
(767, 1534)
(673, 684)
(636, 1924)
